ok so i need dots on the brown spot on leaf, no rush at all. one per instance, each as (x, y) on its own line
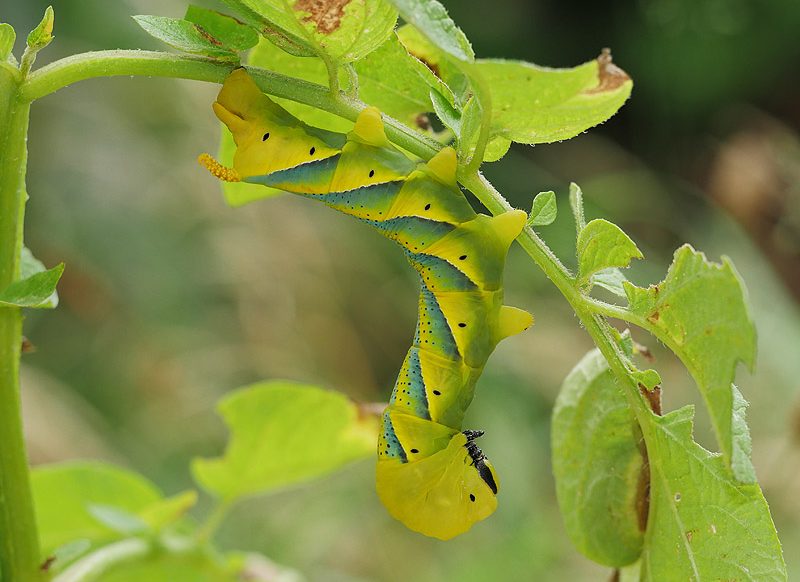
(653, 397)
(654, 316)
(325, 14)
(45, 566)
(609, 75)
(207, 35)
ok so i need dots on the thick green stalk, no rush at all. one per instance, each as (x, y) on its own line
(19, 542)
(64, 72)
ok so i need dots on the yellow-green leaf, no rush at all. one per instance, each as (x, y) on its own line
(283, 434)
(700, 312)
(598, 466)
(532, 104)
(602, 245)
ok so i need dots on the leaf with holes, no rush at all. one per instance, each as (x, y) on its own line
(703, 523)
(700, 312)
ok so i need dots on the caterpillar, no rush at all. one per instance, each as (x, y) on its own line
(430, 473)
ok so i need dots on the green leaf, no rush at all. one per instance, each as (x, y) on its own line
(703, 524)
(312, 69)
(292, 42)
(437, 61)
(497, 147)
(612, 280)
(602, 245)
(64, 494)
(233, 34)
(599, 469)
(430, 18)
(164, 566)
(121, 521)
(42, 35)
(470, 129)
(344, 31)
(741, 464)
(396, 82)
(532, 104)
(185, 36)
(7, 38)
(576, 203)
(700, 312)
(35, 288)
(544, 209)
(283, 434)
(446, 113)
(168, 511)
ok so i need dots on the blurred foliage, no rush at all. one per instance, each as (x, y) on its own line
(170, 298)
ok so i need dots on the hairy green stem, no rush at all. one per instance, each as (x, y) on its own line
(595, 325)
(93, 566)
(19, 541)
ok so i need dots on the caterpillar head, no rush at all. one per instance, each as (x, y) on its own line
(447, 484)
(268, 138)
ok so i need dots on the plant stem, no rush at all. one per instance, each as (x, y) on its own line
(64, 72)
(206, 531)
(100, 561)
(19, 541)
(595, 325)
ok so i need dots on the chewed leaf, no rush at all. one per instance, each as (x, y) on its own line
(430, 18)
(700, 312)
(36, 286)
(599, 469)
(66, 493)
(234, 35)
(184, 35)
(283, 434)
(544, 210)
(532, 104)
(703, 524)
(603, 245)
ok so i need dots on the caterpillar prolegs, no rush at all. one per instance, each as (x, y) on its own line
(431, 475)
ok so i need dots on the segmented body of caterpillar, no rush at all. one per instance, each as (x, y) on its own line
(430, 474)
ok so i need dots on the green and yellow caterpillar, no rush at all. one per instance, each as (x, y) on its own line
(430, 474)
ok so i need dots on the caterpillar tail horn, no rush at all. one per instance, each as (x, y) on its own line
(224, 173)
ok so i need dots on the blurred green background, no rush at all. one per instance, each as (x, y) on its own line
(171, 299)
